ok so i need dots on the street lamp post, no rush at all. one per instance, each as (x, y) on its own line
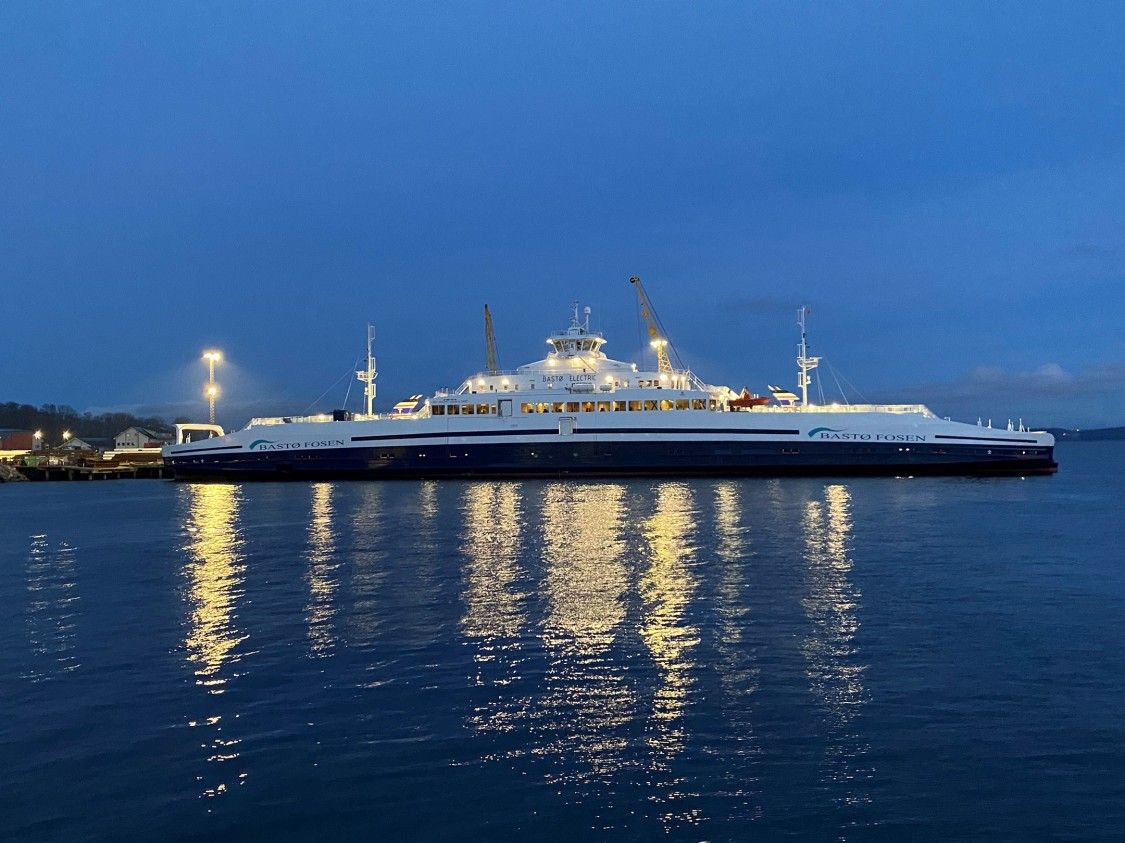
(212, 390)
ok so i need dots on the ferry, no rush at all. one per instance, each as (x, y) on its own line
(578, 412)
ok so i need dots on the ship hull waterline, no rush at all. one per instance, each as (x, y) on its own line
(614, 459)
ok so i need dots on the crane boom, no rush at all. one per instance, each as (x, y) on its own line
(491, 362)
(656, 339)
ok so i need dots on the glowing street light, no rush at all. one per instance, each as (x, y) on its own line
(212, 392)
(66, 436)
(212, 357)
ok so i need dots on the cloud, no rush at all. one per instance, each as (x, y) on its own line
(1047, 381)
(1092, 396)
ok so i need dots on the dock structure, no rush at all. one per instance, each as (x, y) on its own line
(151, 471)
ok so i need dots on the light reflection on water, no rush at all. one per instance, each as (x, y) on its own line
(586, 698)
(597, 582)
(52, 608)
(367, 560)
(322, 571)
(215, 573)
(494, 615)
(667, 587)
(215, 581)
(834, 671)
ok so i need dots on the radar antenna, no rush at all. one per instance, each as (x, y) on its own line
(656, 338)
(492, 364)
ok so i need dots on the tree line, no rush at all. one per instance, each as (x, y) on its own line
(53, 419)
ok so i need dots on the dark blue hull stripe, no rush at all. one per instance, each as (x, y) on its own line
(988, 439)
(208, 450)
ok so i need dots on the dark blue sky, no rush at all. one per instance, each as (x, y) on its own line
(943, 183)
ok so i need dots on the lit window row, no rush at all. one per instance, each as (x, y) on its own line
(648, 405)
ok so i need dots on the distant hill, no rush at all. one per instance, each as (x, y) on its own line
(1101, 434)
(53, 419)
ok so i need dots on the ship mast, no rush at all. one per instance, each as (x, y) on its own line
(368, 375)
(805, 364)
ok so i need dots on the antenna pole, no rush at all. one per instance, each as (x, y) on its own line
(805, 364)
(368, 375)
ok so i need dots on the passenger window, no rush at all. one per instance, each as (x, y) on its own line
(454, 409)
(542, 408)
(650, 405)
(572, 406)
(603, 406)
(681, 404)
(665, 404)
(618, 406)
(527, 408)
(484, 409)
(437, 410)
(698, 404)
(466, 409)
(556, 406)
(634, 405)
(587, 406)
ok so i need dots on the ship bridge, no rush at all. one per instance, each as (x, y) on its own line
(576, 363)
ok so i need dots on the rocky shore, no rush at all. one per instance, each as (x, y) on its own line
(9, 474)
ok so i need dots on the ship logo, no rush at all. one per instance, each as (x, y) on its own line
(817, 430)
(258, 442)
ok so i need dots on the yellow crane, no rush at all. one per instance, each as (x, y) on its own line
(655, 338)
(491, 363)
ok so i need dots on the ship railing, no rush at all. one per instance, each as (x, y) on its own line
(268, 421)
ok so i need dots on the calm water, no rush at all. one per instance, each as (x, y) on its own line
(641, 659)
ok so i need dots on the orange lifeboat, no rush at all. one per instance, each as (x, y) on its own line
(748, 401)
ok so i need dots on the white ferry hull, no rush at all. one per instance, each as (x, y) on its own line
(672, 443)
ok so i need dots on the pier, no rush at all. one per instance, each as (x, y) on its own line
(152, 471)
